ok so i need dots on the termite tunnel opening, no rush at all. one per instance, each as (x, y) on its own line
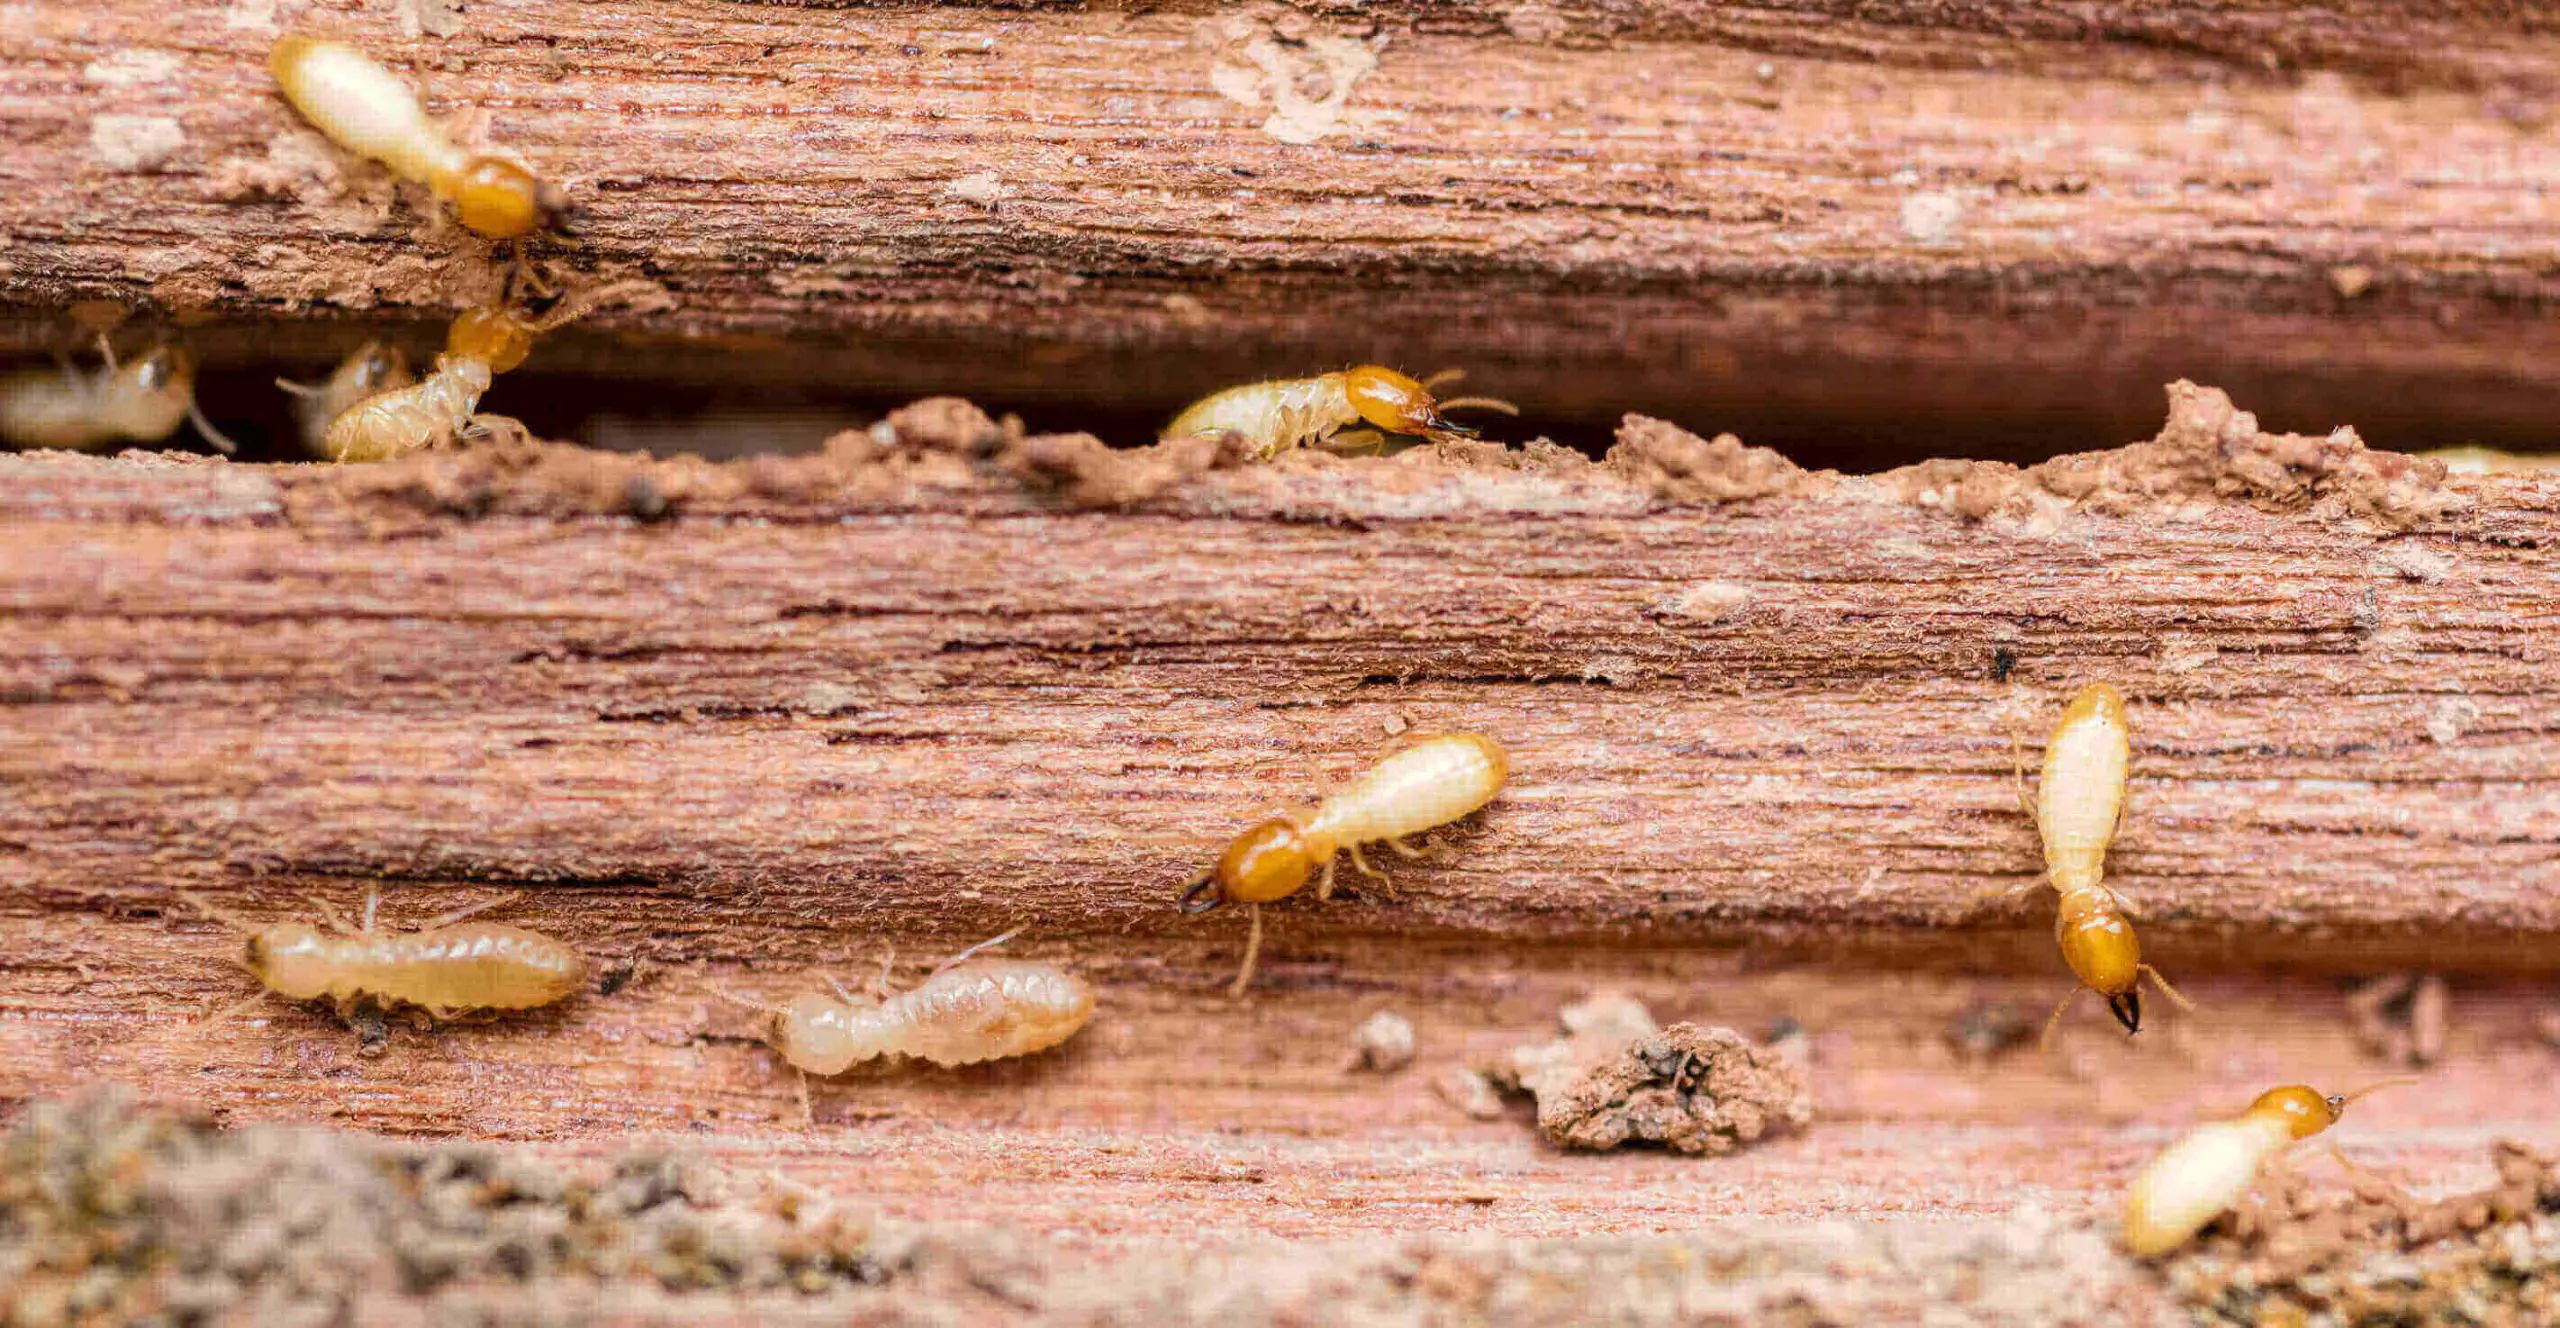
(1874, 389)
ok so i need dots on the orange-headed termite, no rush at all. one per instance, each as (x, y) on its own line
(2079, 802)
(2203, 1175)
(447, 968)
(438, 411)
(142, 400)
(373, 369)
(367, 110)
(1425, 782)
(1283, 413)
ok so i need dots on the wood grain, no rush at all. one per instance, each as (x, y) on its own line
(1808, 221)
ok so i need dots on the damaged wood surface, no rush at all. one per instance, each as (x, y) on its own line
(729, 724)
(1774, 213)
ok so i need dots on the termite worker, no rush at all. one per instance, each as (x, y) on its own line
(447, 967)
(374, 368)
(1429, 781)
(2477, 460)
(142, 400)
(2078, 805)
(2203, 1175)
(1284, 413)
(367, 110)
(966, 1011)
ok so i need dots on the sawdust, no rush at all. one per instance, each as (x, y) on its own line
(1383, 1043)
(1613, 1078)
(1678, 466)
(2314, 1251)
(1304, 77)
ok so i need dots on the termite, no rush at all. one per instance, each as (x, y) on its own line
(438, 411)
(142, 400)
(373, 369)
(2472, 459)
(2203, 1175)
(367, 110)
(447, 967)
(966, 1011)
(2079, 803)
(1429, 781)
(1285, 413)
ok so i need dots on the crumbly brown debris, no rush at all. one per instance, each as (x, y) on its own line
(1614, 1079)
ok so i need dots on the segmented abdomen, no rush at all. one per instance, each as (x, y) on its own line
(1274, 416)
(986, 1010)
(469, 966)
(1436, 780)
(410, 419)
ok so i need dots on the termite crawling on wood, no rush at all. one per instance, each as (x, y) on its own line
(367, 110)
(448, 967)
(439, 410)
(374, 368)
(1285, 413)
(2203, 1175)
(2079, 802)
(1425, 782)
(142, 400)
(968, 1010)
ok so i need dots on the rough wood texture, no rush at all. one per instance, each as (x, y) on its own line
(1802, 220)
(896, 695)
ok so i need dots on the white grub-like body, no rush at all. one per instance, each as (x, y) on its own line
(978, 1010)
(432, 413)
(371, 371)
(364, 108)
(1275, 416)
(2475, 460)
(2081, 796)
(444, 970)
(1429, 782)
(2197, 1179)
(141, 402)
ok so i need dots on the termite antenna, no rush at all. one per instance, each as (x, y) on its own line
(1252, 952)
(1204, 896)
(232, 920)
(2166, 990)
(302, 389)
(1481, 403)
(1446, 376)
(2339, 1103)
(2054, 1021)
(579, 304)
(221, 441)
(740, 1001)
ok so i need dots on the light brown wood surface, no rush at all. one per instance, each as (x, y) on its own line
(1845, 226)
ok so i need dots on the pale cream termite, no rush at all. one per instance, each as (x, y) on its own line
(439, 410)
(1285, 413)
(2203, 1174)
(367, 110)
(1427, 781)
(968, 1010)
(142, 400)
(448, 967)
(374, 368)
(2079, 803)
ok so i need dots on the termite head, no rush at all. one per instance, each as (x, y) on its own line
(1270, 861)
(290, 960)
(495, 337)
(375, 367)
(153, 391)
(2303, 1110)
(1398, 403)
(498, 198)
(2102, 952)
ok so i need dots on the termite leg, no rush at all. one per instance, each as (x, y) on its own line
(1252, 952)
(448, 919)
(195, 415)
(233, 1008)
(372, 906)
(2167, 990)
(1363, 864)
(2124, 902)
(2018, 773)
(954, 961)
(838, 987)
(740, 1001)
(1324, 886)
(1403, 850)
(808, 1115)
(107, 352)
(1355, 440)
(231, 920)
(2045, 1042)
